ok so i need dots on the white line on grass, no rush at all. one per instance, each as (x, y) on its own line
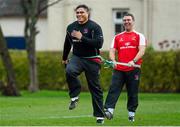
(66, 117)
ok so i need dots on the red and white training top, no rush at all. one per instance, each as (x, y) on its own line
(126, 44)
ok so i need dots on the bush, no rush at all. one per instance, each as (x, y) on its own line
(160, 71)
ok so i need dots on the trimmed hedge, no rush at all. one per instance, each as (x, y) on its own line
(160, 71)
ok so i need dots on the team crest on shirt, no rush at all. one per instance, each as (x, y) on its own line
(136, 77)
(85, 31)
(121, 39)
(134, 38)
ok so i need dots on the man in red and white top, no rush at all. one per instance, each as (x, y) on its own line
(130, 47)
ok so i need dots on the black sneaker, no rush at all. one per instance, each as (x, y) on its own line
(108, 114)
(100, 121)
(73, 104)
(131, 118)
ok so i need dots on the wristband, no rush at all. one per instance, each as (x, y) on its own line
(134, 60)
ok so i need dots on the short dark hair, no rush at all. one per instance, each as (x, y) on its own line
(83, 6)
(129, 14)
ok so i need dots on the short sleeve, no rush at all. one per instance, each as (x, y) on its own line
(113, 43)
(142, 40)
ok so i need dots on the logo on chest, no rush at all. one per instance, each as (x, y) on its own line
(127, 44)
(85, 31)
(133, 38)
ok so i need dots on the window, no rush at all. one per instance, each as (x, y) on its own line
(16, 42)
(118, 20)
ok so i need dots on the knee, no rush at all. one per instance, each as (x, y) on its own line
(70, 72)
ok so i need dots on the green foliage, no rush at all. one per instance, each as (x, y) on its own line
(51, 72)
(160, 71)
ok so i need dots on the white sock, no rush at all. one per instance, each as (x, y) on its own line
(99, 118)
(74, 98)
(131, 114)
(111, 110)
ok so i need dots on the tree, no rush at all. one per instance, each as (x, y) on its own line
(10, 89)
(32, 10)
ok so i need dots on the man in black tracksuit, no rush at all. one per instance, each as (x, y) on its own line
(86, 38)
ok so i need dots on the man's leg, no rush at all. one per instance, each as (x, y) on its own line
(92, 75)
(73, 69)
(114, 92)
(132, 90)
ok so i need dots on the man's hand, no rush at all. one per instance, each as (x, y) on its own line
(76, 34)
(131, 63)
(114, 65)
(65, 62)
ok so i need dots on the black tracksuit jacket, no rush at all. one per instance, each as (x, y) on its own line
(90, 43)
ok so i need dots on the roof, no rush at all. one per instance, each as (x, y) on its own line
(9, 8)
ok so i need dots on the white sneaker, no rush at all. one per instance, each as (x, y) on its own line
(131, 116)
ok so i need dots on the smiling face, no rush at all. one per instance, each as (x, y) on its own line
(128, 23)
(82, 15)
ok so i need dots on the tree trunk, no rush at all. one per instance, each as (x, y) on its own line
(33, 87)
(30, 9)
(10, 89)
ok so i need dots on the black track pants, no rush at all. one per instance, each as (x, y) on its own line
(91, 69)
(119, 78)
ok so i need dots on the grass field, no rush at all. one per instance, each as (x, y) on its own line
(51, 108)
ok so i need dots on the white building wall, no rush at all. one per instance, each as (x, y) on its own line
(12, 26)
(61, 15)
(166, 22)
(56, 26)
(158, 20)
(42, 43)
(15, 27)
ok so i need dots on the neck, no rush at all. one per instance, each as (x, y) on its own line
(82, 22)
(129, 30)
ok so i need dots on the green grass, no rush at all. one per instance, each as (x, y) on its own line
(51, 108)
